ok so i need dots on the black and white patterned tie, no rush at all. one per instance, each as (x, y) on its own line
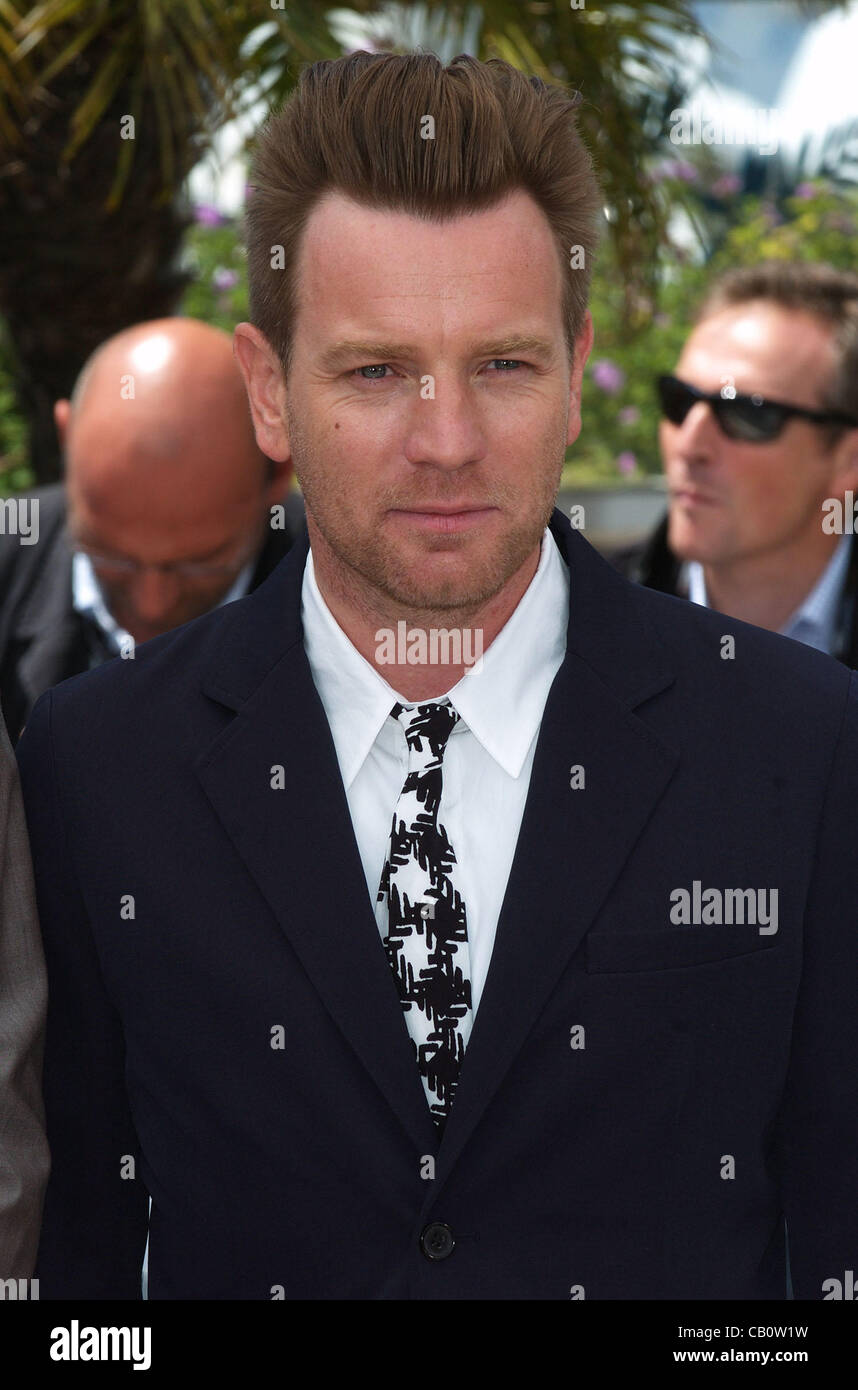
(426, 937)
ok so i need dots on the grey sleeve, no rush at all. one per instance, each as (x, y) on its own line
(24, 1158)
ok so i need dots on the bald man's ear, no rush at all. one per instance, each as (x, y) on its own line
(266, 390)
(845, 471)
(62, 411)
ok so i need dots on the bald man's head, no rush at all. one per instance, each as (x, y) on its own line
(185, 387)
(163, 469)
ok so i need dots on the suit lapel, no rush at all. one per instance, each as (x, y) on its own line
(298, 843)
(300, 848)
(573, 843)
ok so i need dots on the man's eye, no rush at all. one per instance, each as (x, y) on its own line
(379, 367)
(375, 372)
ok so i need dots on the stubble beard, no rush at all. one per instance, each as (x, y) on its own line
(388, 583)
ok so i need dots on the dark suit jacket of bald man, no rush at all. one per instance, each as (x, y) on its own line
(645, 1108)
(43, 639)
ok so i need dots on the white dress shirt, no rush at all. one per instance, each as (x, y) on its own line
(814, 622)
(489, 755)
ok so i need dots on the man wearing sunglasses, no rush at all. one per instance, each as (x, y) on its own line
(164, 512)
(759, 430)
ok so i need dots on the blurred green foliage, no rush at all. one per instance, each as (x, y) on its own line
(14, 473)
(214, 253)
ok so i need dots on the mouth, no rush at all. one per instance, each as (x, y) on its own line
(444, 519)
(689, 497)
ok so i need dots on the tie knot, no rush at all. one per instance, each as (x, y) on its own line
(432, 722)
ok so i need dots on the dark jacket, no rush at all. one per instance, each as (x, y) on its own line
(43, 640)
(653, 564)
(644, 1107)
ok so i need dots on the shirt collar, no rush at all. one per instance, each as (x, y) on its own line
(501, 699)
(88, 600)
(814, 621)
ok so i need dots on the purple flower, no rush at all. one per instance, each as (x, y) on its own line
(674, 169)
(608, 376)
(805, 190)
(662, 320)
(224, 279)
(207, 215)
(626, 461)
(726, 186)
(629, 415)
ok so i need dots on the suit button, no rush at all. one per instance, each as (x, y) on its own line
(437, 1241)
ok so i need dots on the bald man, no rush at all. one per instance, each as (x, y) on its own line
(168, 509)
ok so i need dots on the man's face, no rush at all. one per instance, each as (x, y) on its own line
(430, 399)
(730, 500)
(155, 513)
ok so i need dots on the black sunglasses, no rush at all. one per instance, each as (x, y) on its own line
(752, 419)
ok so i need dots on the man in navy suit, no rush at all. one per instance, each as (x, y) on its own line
(449, 918)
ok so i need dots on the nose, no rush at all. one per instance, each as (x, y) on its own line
(446, 427)
(698, 436)
(152, 594)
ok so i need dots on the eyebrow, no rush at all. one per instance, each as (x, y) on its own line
(340, 354)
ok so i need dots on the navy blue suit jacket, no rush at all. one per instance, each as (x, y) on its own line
(645, 1107)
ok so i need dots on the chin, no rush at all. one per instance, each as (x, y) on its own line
(460, 586)
(688, 544)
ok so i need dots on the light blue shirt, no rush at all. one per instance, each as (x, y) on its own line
(814, 622)
(88, 599)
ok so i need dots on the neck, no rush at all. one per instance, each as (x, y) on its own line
(444, 643)
(767, 589)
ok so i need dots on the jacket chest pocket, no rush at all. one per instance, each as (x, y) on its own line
(672, 948)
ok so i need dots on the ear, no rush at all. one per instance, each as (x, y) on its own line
(266, 390)
(583, 346)
(844, 473)
(280, 480)
(62, 411)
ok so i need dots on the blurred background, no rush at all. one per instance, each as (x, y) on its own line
(99, 231)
